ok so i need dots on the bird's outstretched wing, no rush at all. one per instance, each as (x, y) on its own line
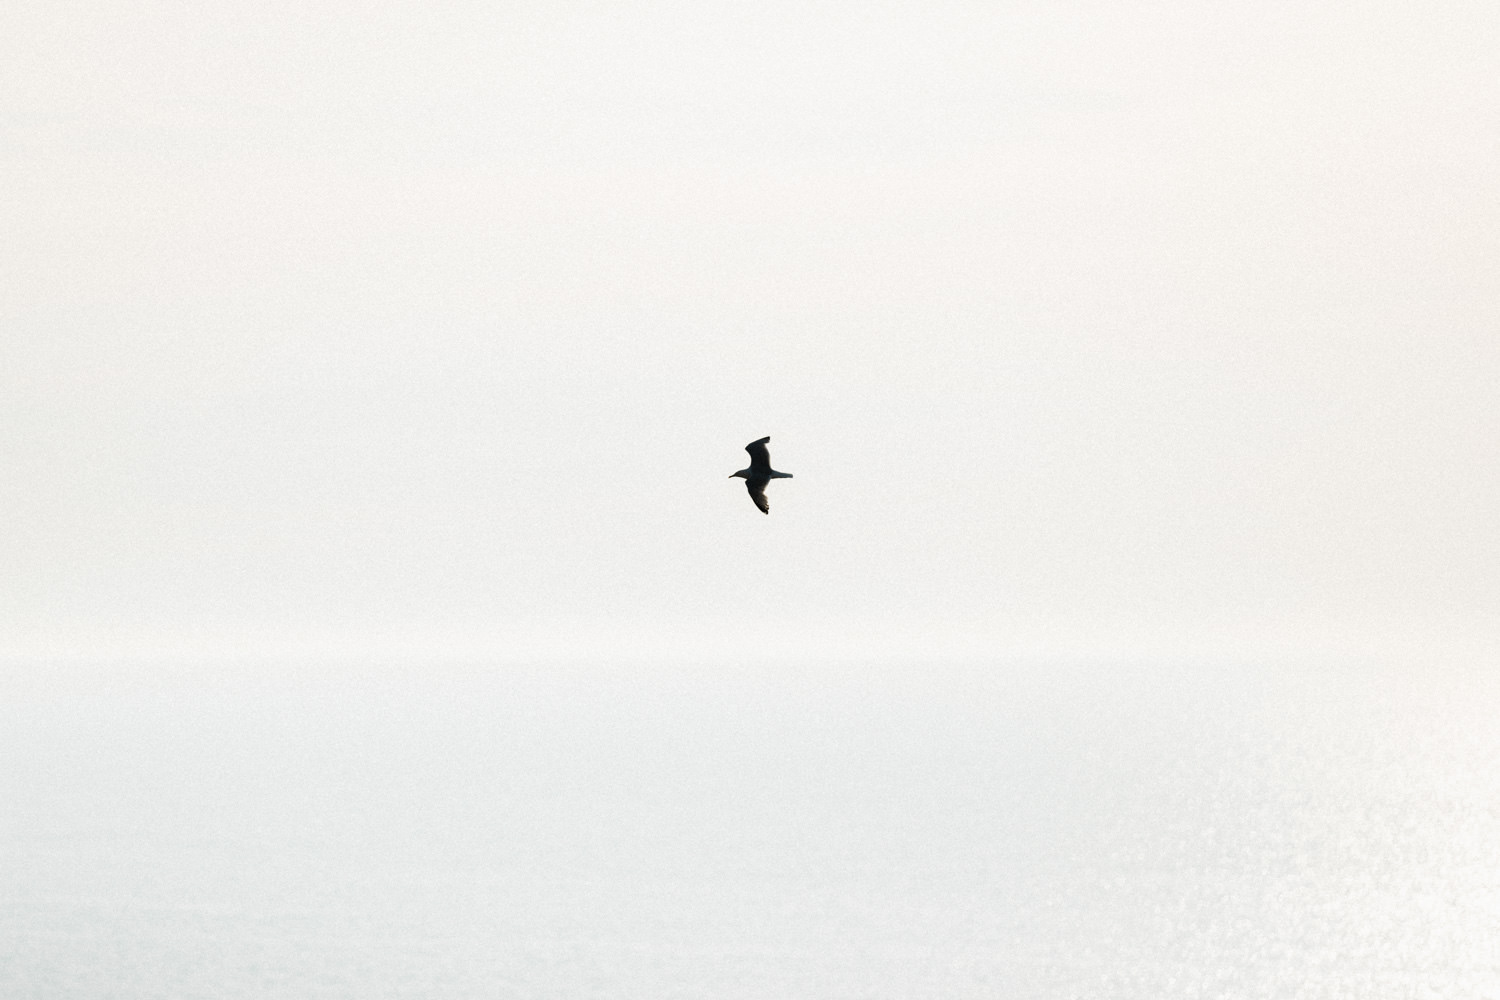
(760, 457)
(757, 488)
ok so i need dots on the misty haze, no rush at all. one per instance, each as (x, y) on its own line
(376, 619)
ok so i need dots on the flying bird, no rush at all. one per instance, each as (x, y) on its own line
(759, 474)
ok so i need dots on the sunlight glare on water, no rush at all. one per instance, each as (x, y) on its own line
(829, 830)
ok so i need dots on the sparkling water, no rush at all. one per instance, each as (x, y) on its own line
(737, 830)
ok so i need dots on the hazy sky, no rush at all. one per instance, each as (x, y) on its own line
(1081, 325)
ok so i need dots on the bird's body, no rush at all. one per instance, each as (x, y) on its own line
(759, 474)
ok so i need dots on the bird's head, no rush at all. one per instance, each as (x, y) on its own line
(739, 475)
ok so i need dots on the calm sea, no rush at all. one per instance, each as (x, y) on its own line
(829, 830)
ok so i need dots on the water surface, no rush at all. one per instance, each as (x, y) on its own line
(830, 830)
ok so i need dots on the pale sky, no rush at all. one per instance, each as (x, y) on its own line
(1082, 326)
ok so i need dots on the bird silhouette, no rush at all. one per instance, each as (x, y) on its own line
(759, 474)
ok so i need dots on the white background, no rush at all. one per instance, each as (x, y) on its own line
(1082, 326)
